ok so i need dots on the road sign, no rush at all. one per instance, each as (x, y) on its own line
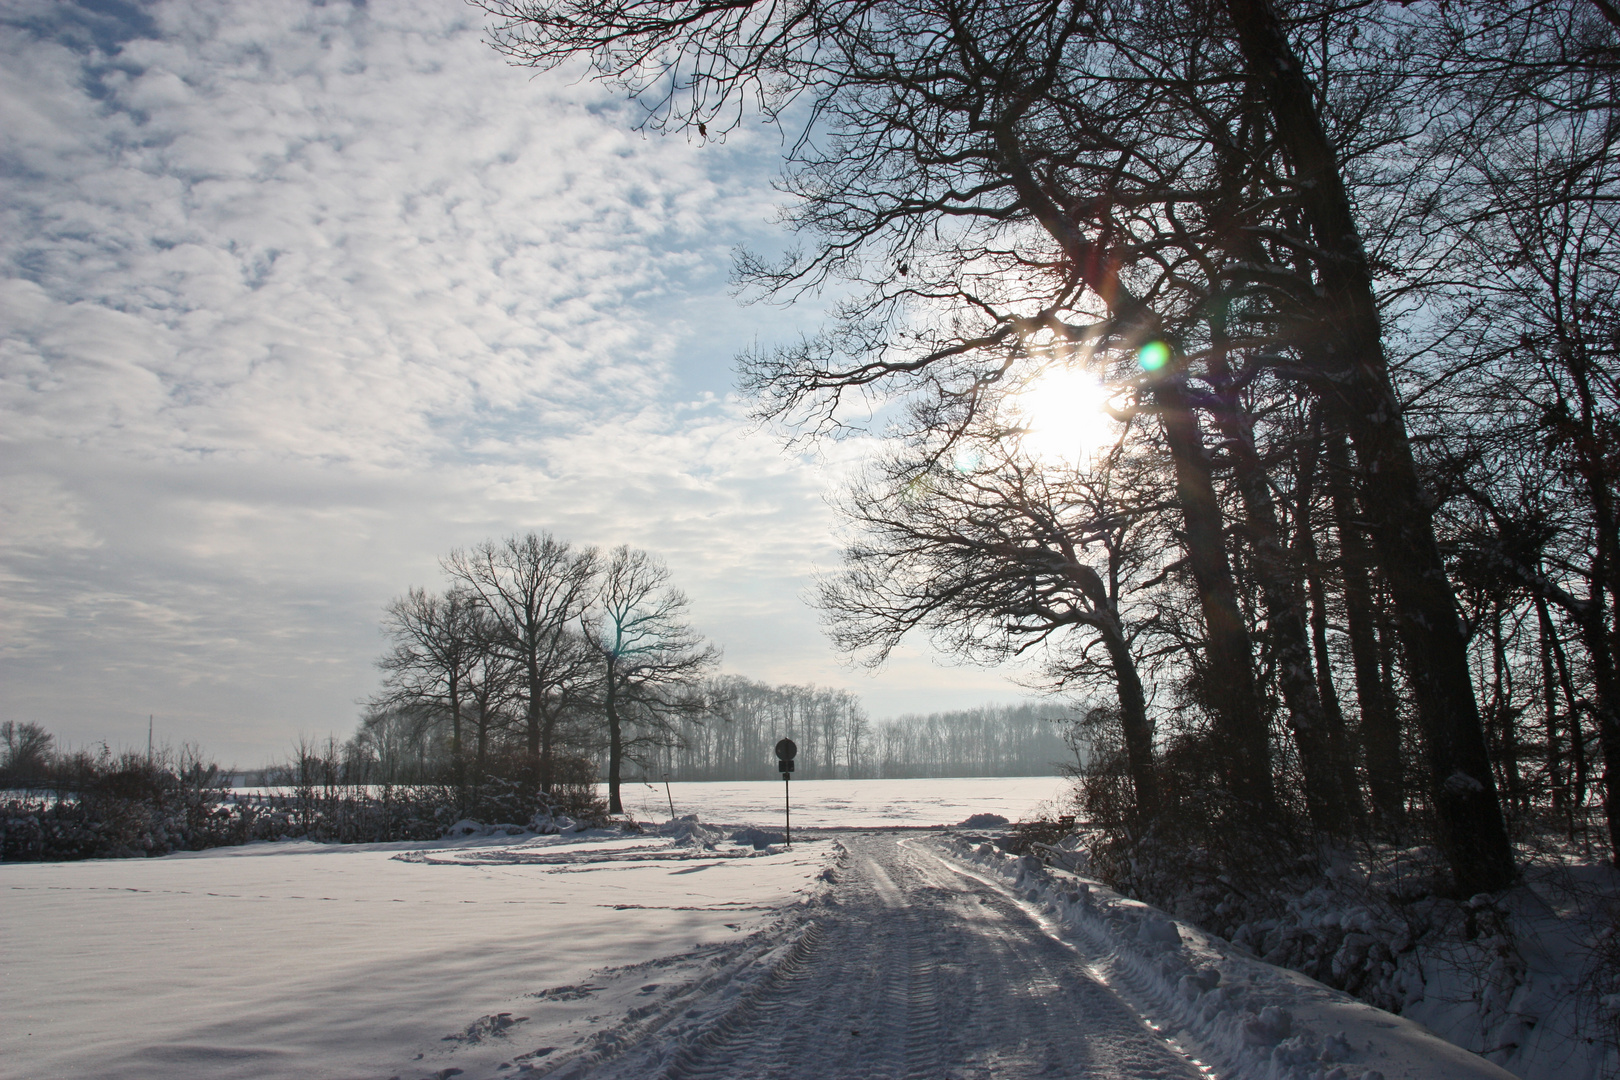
(786, 751)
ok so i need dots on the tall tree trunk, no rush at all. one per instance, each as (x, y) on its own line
(456, 765)
(1557, 765)
(532, 717)
(1241, 731)
(1243, 741)
(610, 706)
(1606, 708)
(1316, 591)
(1577, 736)
(1325, 799)
(1501, 712)
(1380, 724)
(1133, 718)
(1600, 623)
(1134, 724)
(481, 762)
(1338, 730)
(1470, 830)
(548, 750)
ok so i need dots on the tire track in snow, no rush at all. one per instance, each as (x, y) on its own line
(918, 971)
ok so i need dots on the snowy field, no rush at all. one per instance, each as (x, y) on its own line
(834, 804)
(675, 953)
(321, 961)
(851, 803)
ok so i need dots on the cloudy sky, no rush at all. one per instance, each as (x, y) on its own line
(295, 298)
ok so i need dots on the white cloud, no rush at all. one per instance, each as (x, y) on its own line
(296, 297)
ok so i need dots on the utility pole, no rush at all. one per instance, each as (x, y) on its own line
(149, 722)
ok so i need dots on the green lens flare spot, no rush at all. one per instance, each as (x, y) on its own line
(1153, 356)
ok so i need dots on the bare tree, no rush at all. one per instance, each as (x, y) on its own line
(650, 662)
(997, 558)
(439, 641)
(27, 748)
(495, 702)
(536, 588)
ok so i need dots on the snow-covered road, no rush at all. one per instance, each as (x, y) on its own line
(915, 968)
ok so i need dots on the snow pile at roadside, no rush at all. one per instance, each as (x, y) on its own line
(1248, 1018)
(1528, 978)
(1525, 977)
(688, 831)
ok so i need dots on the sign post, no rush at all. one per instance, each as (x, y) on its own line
(786, 751)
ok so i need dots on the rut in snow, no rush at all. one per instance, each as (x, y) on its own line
(919, 971)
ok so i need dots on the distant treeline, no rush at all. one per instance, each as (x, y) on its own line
(732, 738)
(837, 740)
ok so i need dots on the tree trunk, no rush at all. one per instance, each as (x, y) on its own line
(1600, 626)
(481, 764)
(1469, 826)
(1577, 737)
(1242, 740)
(610, 706)
(532, 717)
(1338, 731)
(1557, 766)
(1338, 739)
(1325, 799)
(548, 754)
(1606, 707)
(1133, 722)
(1501, 713)
(457, 766)
(1380, 726)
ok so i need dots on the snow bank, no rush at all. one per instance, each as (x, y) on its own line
(1246, 1018)
(1520, 977)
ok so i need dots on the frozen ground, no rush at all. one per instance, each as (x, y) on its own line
(675, 955)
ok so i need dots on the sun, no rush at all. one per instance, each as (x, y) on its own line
(1064, 414)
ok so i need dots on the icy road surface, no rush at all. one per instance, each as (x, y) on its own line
(915, 969)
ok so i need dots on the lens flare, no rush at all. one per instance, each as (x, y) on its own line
(1153, 356)
(966, 459)
(916, 490)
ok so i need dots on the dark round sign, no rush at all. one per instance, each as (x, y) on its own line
(787, 750)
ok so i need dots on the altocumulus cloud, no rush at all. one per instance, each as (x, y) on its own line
(297, 297)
